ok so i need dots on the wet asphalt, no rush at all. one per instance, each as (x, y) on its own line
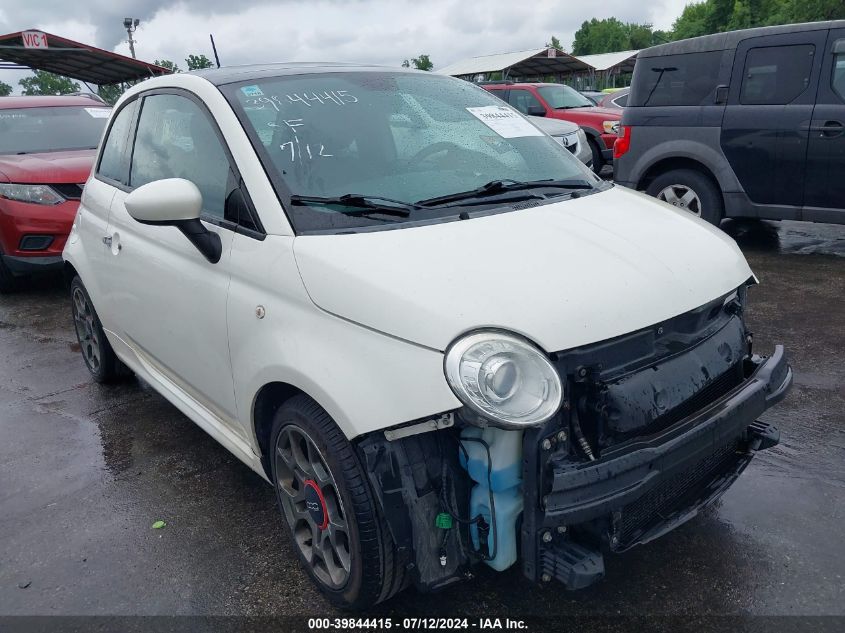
(86, 469)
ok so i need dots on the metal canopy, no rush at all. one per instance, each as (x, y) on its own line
(623, 61)
(75, 60)
(535, 62)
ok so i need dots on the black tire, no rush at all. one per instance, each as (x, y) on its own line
(710, 205)
(96, 350)
(8, 282)
(598, 161)
(375, 571)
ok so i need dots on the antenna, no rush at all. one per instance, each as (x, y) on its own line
(214, 48)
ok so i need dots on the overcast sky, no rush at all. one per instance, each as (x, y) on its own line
(373, 31)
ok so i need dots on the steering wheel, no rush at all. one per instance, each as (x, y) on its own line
(442, 146)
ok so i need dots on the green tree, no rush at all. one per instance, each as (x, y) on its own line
(5, 89)
(692, 22)
(554, 43)
(610, 35)
(198, 62)
(420, 63)
(716, 16)
(111, 92)
(639, 36)
(44, 83)
(166, 63)
(807, 11)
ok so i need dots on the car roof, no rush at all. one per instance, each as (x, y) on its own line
(43, 101)
(518, 84)
(249, 72)
(730, 40)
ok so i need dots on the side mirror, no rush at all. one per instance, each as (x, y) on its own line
(175, 202)
(536, 110)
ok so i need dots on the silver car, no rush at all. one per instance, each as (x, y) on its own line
(567, 134)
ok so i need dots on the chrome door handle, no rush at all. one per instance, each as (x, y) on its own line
(107, 240)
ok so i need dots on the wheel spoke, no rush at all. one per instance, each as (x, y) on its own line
(339, 541)
(670, 196)
(688, 197)
(326, 550)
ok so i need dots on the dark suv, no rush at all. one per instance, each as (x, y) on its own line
(741, 124)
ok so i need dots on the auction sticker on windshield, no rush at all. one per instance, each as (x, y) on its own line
(503, 121)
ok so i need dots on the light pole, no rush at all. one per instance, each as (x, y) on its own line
(130, 24)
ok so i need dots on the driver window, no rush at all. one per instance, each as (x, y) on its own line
(522, 100)
(176, 140)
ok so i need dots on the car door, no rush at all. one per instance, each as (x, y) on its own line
(765, 125)
(824, 186)
(92, 218)
(169, 302)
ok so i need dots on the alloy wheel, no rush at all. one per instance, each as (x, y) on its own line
(86, 329)
(681, 196)
(312, 506)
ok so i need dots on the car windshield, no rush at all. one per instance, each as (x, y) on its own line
(394, 140)
(51, 129)
(562, 97)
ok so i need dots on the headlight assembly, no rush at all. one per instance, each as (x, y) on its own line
(34, 194)
(503, 378)
(610, 127)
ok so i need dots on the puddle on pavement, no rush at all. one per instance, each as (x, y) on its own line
(787, 236)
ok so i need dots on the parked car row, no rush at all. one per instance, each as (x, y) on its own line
(556, 101)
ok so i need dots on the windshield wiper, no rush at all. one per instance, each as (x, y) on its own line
(501, 186)
(365, 204)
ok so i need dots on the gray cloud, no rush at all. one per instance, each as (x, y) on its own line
(376, 31)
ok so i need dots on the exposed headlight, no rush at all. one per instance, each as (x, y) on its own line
(34, 194)
(503, 378)
(582, 136)
(610, 127)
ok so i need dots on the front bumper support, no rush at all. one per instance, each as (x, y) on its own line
(646, 487)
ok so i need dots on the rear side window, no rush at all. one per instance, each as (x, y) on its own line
(838, 78)
(776, 75)
(114, 162)
(675, 80)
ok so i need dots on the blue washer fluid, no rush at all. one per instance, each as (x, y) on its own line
(506, 484)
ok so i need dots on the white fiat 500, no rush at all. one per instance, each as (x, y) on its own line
(439, 337)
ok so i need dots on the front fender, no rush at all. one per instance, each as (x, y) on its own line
(364, 379)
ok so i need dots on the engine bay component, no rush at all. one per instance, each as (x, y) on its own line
(493, 459)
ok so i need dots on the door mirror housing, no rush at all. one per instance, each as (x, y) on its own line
(175, 202)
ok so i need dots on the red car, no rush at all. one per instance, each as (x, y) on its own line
(47, 149)
(557, 101)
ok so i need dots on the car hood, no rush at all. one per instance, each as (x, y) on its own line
(553, 127)
(48, 167)
(597, 112)
(563, 274)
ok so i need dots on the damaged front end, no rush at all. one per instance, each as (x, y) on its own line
(651, 427)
